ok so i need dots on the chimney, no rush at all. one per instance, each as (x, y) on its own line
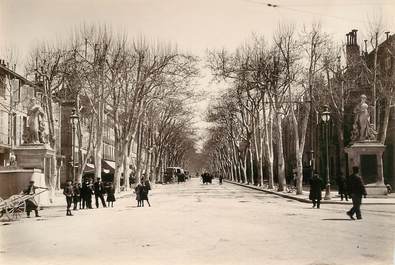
(352, 48)
(387, 33)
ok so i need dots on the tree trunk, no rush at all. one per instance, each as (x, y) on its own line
(280, 154)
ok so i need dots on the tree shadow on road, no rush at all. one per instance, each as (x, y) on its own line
(336, 219)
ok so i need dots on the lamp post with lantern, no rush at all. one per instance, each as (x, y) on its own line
(326, 116)
(73, 121)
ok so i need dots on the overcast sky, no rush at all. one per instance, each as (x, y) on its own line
(194, 26)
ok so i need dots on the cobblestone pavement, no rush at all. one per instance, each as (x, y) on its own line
(193, 223)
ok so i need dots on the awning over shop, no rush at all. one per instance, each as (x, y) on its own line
(108, 165)
(89, 168)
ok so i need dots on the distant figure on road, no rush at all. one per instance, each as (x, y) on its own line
(144, 192)
(98, 188)
(68, 192)
(137, 190)
(315, 190)
(357, 189)
(220, 179)
(342, 186)
(31, 204)
(110, 195)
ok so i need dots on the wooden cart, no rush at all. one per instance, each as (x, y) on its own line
(14, 207)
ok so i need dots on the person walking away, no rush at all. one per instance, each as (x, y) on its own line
(144, 192)
(315, 190)
(68, 192)
(31, 203)
(76, 196)
(137, 190)
(99, 190)
(220, 179)
(357, 190)
(110, 195)
(342, 186)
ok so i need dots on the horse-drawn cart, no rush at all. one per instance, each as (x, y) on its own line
(15, 206)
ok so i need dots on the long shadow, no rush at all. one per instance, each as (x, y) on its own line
(337, 219)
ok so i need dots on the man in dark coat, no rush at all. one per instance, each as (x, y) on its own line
(68, 192)
(98, 188)
(315, 190)
(31, 204)
(86, 195)
(357, 190)
(342, 186)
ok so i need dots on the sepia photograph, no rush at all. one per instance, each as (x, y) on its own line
(197, 132)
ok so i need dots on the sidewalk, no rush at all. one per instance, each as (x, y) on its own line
(335, 198)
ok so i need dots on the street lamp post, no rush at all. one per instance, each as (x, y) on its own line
(325, 116)
(73, 121)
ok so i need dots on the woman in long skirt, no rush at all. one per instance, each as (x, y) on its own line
(110, 195)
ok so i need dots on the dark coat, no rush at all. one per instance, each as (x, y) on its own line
(315, 188)
(76, 191)
(110, 194)
(138, 190)
(86, 191)
(342, 184)
(144, 192)
(357, 187)
(98, 188)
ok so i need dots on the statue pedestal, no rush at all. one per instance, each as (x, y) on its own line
(33, 155)
(34, 162)
(368, 156)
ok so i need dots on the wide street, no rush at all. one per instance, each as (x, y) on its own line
(193, 223)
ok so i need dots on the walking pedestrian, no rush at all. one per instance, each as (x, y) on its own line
(31, 203)
(137, 190)
(76, 196)
(220, 179)
(315, 190)
(357, 190)
(110, 195)
(342, 186)
(144, 192)
(68, 192)
(99, 190)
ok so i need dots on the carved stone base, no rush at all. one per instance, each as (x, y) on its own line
(368, 157)
(33, 155)
(376, 189)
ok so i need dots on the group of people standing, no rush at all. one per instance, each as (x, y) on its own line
(81, 195)
(142, 189)
(350, 187)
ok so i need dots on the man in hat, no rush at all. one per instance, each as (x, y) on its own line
(99, 190)
(31, 203)
(357, 190)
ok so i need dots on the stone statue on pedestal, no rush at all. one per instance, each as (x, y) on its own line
(35, 133)
(362, 129)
